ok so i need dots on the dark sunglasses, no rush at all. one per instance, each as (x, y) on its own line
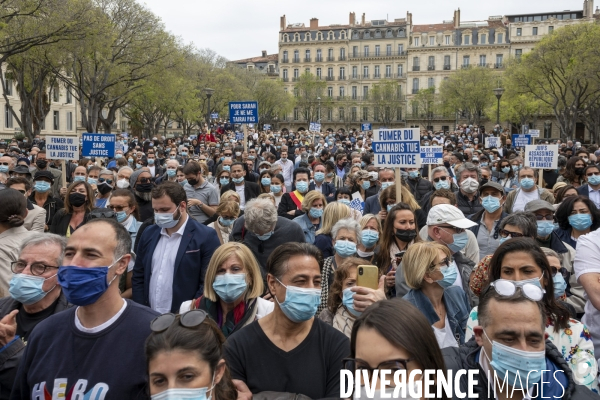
(109, 181)
(189, 319)
(504, 233)
(443, 178)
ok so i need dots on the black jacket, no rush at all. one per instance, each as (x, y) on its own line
(419, 187)
(144, 207)
(10, 357)
(286, 205)
(477, 217)
(251, 190)
(425, 200)
(464, 357)
(468, 207)
(60, 222)
(52, 206)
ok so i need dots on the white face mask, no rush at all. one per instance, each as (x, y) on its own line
(123, 183)
(469, 185)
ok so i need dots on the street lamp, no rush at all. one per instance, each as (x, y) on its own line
(209, 92)
(498, 92)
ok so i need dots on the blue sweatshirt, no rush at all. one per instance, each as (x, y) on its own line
(110, 364)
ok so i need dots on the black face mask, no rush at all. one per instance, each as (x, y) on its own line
(104, 188)
(193, 182)
(406, 235)
(143, 187)
(41, 164)
(579, 171)
(447, 164)
(77, 199)
(483, 182)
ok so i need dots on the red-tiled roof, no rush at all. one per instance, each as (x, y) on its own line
(432, 27)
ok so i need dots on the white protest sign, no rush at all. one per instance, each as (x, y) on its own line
(397, 148)
(62, 147)
(492, 141)
(541, 156)
(314, 127)
(534, 132)
(432, 155)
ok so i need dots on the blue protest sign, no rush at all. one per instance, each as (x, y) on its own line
(432, 155)
(98, 145)
(397, 148)
(365, 127)
(521, 140)
(266, 127)
(243, 112)
(239, 136)
(214, 115)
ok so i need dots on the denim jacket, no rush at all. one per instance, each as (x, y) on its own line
(307, 227)
(457, 309)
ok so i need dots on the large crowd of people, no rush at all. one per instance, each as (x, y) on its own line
(209, 266)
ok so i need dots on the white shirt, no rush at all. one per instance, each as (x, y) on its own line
(240, 191)
(163, 268)
(100, 327)
(444, 336)
(152, 169)
(587, 260)
(594, 196)
(287, 170)
(523, 198)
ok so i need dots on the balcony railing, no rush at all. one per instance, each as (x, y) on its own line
(329, 78)
(285, 60)
(498, 65)
(416, 68)
(415, 91)
(272, 73)
(447, 67)
(431, 67)
(307, 59)
(365, 76)
(295, 79)
(285, 79)
(465, 66)
(342, 78)
(296, 60)
(484, 65)
(330, 58)
(379, 55)
(319, 59)
(377, 76)
(342, 58)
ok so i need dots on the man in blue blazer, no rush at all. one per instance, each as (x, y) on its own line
(318, 183)
(172, 255)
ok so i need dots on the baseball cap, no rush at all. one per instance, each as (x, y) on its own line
(494, 185)
(44, 174)
(448, 214)
(537, 205)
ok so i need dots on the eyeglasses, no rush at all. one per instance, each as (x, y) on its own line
(507, 288)
(548, 217)
(109, 181)
(4, 163)
(504, 233)
(117, 208)
(145, 180)
(457, 230)
(356, 364)
(189, 319)
(445, 262)
(443, 178)
(36, 268)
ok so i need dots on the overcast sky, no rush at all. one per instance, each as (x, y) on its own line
(239, 29)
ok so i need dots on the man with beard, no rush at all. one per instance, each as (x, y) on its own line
(141, 184)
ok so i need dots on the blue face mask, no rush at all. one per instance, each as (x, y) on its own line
(84, 286)
(390, 206)
(229, 287)
(302, 186)
(130, 160)
(319, 176)
(559, 285)
(344, 201)
(300, 304)
(238, 180)
(442, 184)
(183, 182)
(27, 289)
(450, 273)
(483, 164)
(92, 181)
(369, 237)
(226, 167)
(366, 184)
(117, 156)
(226, 221)
(348, 301)
(184, 154)
(138, 166)
(166, 220)
(385, 185)
(580, 222)
(515, 168)
(527, 183)
(266, 236)
(275, 188)
(413, 174)
(316, 212)
(594, 180)
(506, 170)
(150, 161)
(507, 362)
(79, 178)
(222, 158)
(121, 216)
(459, 242)
(491, 203)
(41, 186)
(344, 248)
(265, 181)
(224, 181)
(4, 168)
(187, 394)
(171, 173)
(544, 228)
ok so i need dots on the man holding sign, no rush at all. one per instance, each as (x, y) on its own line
(529, 191)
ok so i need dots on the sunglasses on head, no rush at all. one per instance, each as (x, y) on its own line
(189, 319)
(507, 288)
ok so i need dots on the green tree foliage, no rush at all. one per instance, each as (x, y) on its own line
(469, 92)
(387, 101)
(308, 90)
(424, 106)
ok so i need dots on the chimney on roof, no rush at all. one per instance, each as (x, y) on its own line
(457, 18)
(264, 53)
(363, 20)
(314, 23)
(408, 18)
(588, 8)
(352, 18)
(282, 24)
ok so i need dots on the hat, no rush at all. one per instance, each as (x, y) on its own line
(21, 169)
(558, 185)
(44, 174)
(24, 159)
(448, 214)
(265, 163)
(374, 175)
(134, 176)
(493, 185)
(362, 175)
(458, 155)
(536, 205)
